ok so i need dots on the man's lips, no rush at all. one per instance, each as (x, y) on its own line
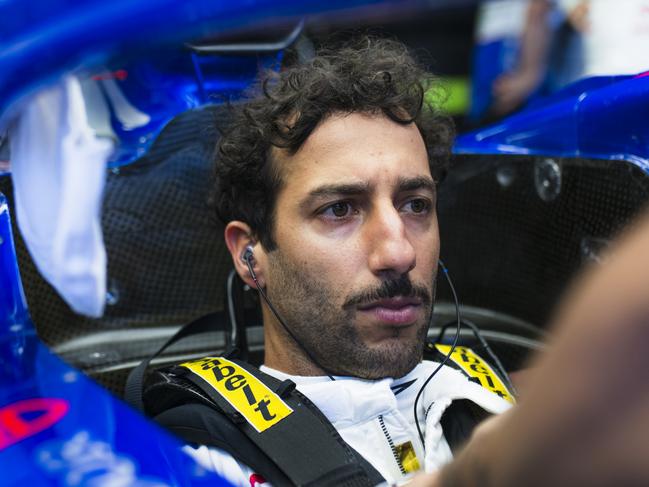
(394, 311)
(397, 302)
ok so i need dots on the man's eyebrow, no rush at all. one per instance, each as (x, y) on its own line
(344, 189)
(419, 182)
(355, 189)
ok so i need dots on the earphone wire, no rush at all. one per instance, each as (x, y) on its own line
(495, 361)
(448, 355)
(246, 258)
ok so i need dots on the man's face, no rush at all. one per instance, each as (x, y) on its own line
(357, 246)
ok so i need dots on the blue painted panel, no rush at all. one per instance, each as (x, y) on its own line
(612, 122)
(172, 82)
(529, 132)
(602, 118)
(50, 37)
(12, 297)
(57, 427)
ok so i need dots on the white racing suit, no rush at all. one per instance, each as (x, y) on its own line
(376, 418)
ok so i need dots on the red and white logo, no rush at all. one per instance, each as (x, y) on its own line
(23, 419)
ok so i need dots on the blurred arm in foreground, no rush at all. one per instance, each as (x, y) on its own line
(584, 416)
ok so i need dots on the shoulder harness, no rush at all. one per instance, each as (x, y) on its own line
(268, 424)
(261, 421)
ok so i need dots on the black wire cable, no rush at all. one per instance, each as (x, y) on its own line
(492, 355)
(246, 258)
(485, 345)
(448, 355)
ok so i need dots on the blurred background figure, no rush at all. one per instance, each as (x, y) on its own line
(525, 78)
(614, 34)
(530, 48)
(509, 56)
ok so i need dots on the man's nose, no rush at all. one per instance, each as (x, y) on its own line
(390, 251)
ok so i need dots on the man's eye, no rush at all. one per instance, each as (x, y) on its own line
(340, 209)
(418, 205)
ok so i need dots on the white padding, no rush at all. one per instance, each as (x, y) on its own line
(58, 167)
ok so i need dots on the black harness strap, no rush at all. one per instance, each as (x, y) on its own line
(304, 446)
(135, 381)
(199, 424)
(302, 449)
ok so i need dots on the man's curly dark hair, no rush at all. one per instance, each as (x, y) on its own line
(368, 75)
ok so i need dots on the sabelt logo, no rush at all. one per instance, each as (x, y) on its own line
(260, 406)
(478, 369)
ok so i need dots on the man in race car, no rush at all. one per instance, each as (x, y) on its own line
(327, 185)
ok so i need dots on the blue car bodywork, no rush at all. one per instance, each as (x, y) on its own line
(598, 118)
(57, 426)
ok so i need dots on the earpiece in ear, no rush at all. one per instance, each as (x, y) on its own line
(248, 255)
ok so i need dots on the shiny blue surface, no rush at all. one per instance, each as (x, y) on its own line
(145, 40)
(12, 297)
(600, 118)
(41, 41)
(15, 325)
(172, 82)
(98, 441)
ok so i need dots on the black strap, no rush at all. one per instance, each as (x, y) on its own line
(134, 382)
(303, 449)
(198, 424)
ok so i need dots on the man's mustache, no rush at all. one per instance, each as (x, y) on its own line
(390, 289)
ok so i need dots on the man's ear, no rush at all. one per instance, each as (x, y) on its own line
(238, 236)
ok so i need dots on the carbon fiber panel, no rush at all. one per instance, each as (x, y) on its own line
(514, 229)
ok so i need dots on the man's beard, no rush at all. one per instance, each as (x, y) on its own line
(327, 331)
